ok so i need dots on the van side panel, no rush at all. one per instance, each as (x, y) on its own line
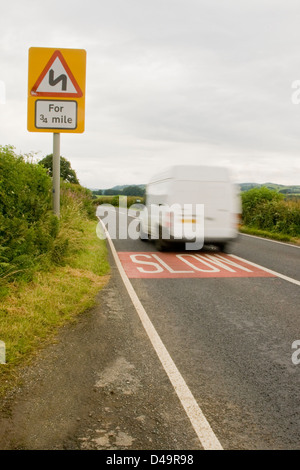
(190, 185)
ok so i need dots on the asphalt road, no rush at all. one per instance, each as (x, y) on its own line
(231, 339)
(228, 329)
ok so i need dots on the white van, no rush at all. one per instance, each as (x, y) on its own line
(191, 203)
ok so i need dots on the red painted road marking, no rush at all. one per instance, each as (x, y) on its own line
(185, 265)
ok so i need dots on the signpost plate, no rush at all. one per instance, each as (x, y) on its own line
(56, 90)
(55, 114)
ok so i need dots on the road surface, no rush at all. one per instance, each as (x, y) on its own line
(196, 355)
(229, 331)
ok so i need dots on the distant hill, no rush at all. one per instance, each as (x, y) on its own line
(125, 190)
(139, 189)
(292, 189)
(121, 188)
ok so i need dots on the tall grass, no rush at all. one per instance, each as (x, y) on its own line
(60, 275)
(32, 312)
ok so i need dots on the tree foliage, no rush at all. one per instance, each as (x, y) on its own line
(66, 172)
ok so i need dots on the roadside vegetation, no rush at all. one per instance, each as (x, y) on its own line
(50, 269)
(271, 212)
(268, 213)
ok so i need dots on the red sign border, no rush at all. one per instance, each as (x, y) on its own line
(56, 54)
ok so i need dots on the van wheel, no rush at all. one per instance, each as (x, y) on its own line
(143, 235)
(160, 244)
(222, 247)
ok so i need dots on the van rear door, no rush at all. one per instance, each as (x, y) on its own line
(217, 198)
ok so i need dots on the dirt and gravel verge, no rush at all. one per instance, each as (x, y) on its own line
(99, 386)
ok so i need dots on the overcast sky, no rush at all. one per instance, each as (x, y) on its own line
(168, 82)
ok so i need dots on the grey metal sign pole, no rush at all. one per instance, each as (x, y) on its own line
(56, 174)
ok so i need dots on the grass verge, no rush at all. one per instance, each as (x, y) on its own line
(32, 313)
(272, 235)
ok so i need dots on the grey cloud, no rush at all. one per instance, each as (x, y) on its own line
(165, 77)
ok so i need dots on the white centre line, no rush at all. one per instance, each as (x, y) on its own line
(200, 424)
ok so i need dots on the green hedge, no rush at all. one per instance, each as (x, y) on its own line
(31, 236)
(27, 224)
(115, 200)
(266, 209)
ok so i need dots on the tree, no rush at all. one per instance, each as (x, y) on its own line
(66, 172)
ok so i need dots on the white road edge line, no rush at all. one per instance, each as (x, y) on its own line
(275, 273)
(200, 424)
(269, 240)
